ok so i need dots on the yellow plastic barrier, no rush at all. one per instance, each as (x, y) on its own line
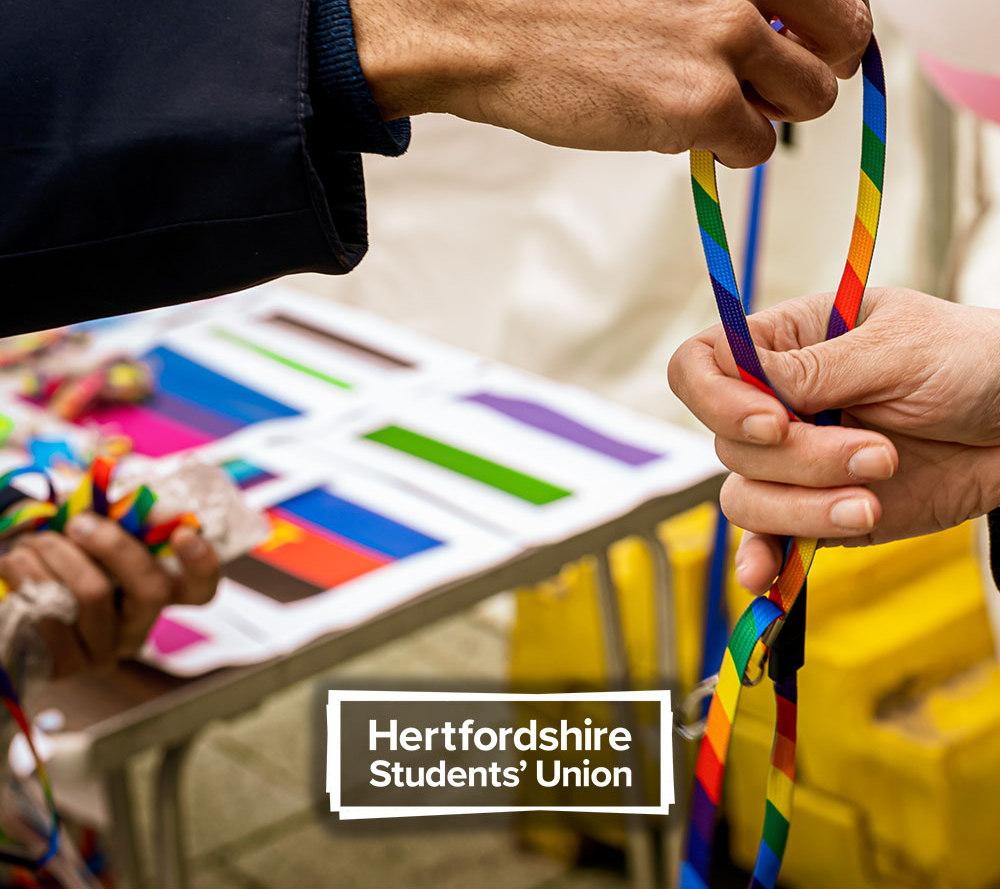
(899, 716)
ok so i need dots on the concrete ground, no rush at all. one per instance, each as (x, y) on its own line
(250, 792)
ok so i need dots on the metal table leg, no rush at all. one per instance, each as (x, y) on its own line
(667, 674)
(126, 857)
(168, 843)
(639, 844)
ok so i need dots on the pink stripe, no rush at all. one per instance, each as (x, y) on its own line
(152, 434)
(168, 636)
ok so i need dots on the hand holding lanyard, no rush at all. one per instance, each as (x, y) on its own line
(760, 624)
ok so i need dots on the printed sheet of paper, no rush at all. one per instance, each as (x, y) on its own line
(531, 459)
(343, 549)
(360, 352)
(256, 364)
(197, 398)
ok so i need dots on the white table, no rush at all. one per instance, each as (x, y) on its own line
(114, 717)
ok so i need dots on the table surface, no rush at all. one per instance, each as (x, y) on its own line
(134, 707)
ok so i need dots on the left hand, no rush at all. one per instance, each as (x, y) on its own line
(93, 559)
(920, 448)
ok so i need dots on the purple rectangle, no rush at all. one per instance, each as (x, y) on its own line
(547, 420)
(183, 411)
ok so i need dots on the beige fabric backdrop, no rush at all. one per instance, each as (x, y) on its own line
(586, 267)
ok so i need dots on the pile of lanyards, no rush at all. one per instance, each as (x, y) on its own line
(68, 395)
(67, 390)
(784, 606)
(133, 512)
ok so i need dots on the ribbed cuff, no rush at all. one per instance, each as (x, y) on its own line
(342, 100)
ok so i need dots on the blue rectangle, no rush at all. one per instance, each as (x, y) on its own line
(348, 520)
(193, 382)
(768, 865)
(720, 263)
(874, 109)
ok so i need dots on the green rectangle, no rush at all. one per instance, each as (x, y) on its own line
(775, 829)
(872, 156)
(503, 478)
(263, 351)
(709, 214)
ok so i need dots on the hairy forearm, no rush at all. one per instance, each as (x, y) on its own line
(662, 75)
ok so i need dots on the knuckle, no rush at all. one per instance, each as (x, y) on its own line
(731, 499)
(742, 24)
(760, 148)
(676, 370)
(18, 561)
(106, 538)
(751, 145)
(46, 540)
(715, 101)
(156, 591)
(92, 588)
(725, 450)
(824, 92)
(857, 29)
(803, 370)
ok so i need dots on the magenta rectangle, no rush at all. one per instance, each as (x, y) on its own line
(168, 636)
(152, 434)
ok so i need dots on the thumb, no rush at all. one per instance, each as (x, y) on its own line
(200, 567)
(853, 369)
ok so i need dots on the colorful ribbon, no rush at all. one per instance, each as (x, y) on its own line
(758, 625)
(24, 514)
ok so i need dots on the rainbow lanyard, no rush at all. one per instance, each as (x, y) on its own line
(132, 513)
(760, 623)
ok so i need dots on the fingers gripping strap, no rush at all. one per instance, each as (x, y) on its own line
(766, 612)
(132, 513)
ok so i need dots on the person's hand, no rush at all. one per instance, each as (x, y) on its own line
(94, 558)
(661, 75)
(920, 449)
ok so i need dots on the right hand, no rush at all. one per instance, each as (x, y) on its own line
(624, 75)
(93, 559)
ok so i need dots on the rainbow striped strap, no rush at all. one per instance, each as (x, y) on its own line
(91, 495)
(756, 627)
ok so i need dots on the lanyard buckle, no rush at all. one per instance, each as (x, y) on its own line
(692, 729)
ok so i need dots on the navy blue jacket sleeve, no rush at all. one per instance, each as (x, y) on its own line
(152, 153)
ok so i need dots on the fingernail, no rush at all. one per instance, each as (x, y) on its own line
(854, 515)
(82, 526)
(762, 429)
(189, 544)
(871, 462)
(741, 567)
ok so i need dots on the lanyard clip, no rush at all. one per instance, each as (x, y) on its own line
(787, 640)
(691, 729)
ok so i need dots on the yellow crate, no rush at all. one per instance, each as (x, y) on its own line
(916, 808)
(899, 719)
(556, 639)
